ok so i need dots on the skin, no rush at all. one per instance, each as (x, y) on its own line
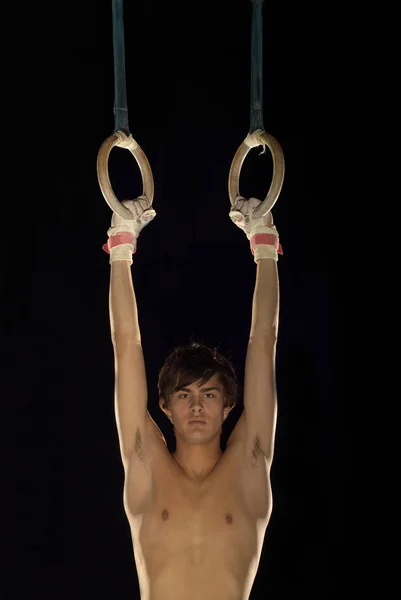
(198, 518)
(198, 446)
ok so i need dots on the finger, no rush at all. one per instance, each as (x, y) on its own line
(238, 204)
(269, 219)
(148, 215)
(237, 217)
(138, 205)
(134, 207)
(254, 203)
(144, 202)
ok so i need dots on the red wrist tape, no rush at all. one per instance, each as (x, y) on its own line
(117, 240)
(268, 239)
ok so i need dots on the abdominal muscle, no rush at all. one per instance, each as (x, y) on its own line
(201, 569)
(180, 581)
(197, 542)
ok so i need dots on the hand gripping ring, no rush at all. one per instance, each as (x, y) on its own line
(123, 141)
(258, 138)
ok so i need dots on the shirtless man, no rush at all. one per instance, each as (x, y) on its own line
(198, 516)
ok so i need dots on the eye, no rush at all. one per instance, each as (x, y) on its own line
(184, 395)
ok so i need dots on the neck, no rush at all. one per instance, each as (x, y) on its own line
(197, 461)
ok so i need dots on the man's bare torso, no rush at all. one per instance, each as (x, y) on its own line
(201, 541)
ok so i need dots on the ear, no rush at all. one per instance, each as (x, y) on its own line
(168, 413)
(226, 411)
(166, 410)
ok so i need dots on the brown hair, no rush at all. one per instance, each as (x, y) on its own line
(191, 362)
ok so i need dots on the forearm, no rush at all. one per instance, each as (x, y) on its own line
(265, 306)
(122, 301)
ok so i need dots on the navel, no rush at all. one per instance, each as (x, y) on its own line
(165, 515)
(229, 519)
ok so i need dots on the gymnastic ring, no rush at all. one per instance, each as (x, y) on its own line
(123, 141)
(258, 138)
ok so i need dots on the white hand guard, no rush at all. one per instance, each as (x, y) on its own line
(261, 232)
(123, 233)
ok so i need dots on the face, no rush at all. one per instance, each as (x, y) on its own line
(203, 404)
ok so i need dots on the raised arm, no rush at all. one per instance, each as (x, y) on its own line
(260, 398)
(133, 421)
(130, 375)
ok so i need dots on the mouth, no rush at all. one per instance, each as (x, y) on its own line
(197, 422)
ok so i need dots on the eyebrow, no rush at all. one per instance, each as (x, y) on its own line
(209, 389)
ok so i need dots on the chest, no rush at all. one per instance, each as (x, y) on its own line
(192, 518)
(229, 507)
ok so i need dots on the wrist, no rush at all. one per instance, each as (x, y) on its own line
(123, 252)
(262, 251)
(264, 242)
(121, 246)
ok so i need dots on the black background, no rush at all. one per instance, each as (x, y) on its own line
(188, 72)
